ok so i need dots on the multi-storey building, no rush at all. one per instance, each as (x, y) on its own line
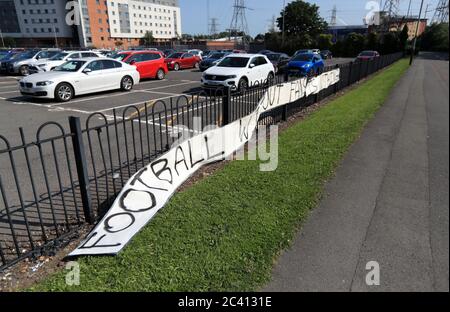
(99, 23)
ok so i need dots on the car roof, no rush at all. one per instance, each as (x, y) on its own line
(88, 59)
(244, 55)
(308, 54)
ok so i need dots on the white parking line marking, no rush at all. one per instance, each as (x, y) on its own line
(3, 92)
(126, 105)
(95, 98)
(8, 87)
(174, 85)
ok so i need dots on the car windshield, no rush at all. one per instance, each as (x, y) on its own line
(273, 57)
(71, 66)
(59, 57)
(303, 58)
(234, 62)
(120, 57)
(367, 53)
(216, 56)
(26, 55)
(176, 55)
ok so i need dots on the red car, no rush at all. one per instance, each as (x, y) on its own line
(149, 64)
(181, 60)
(368, 55)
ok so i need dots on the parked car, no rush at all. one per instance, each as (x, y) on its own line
(149, 64)
(312, 51)
(326, 54)
(82, 76)
(22, 63)
(169, 52)
(279, 61)
(265, 52)
(306, 64)
(59, 59)
(368, 55)
(239, 71)
(181, 60)
(212, 60)
(6, 57)
(196, 52)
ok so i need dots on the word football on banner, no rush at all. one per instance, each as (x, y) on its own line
(151, 188)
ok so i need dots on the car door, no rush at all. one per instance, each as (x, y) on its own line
(188, 60)
(154, 63)
(149, 64)
(137, 60)
(253, 71)
(94, 80)
(265, 67)
(111, 74)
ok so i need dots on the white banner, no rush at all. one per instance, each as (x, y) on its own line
(151, 188)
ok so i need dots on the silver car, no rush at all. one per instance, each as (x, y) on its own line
(22, 64)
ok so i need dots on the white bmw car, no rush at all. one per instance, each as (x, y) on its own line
(59, 59)
(81, 76)
(239, 71)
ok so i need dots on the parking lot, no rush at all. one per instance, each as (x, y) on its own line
(20, 111)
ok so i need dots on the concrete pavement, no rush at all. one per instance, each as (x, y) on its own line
(388, 202)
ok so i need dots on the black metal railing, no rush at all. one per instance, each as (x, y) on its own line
(69, 175)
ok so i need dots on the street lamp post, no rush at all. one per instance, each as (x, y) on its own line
(284, 18)
(413, 50)
(1, 36)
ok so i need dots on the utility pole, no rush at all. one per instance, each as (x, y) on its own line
(441, 12)
(56, 38)
(208, 29)
(413, 51)
(239, 21)
(284, 22)
(333, 21)
(409, 8)
(1, 36)
(213, 27)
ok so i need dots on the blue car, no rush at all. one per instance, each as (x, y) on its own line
(306, 64)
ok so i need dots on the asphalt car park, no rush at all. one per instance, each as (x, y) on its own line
(17, 110)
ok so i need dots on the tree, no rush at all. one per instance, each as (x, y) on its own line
(118, 43)
(390, 43)
(324, 41)
(148, 38)
(403, 38)
(354, 44)
(260, 38)
(9, 42)
(372, 41)
(302, 20)
(435, 38)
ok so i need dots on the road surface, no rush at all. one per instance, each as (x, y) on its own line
(388, 202)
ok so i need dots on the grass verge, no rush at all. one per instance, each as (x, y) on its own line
(224, 233)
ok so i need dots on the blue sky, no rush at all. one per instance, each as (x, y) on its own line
(351, 12)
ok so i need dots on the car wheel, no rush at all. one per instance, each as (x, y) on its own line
(126, 84)
(197, 65)
(243, 85)
(176, 67)
(24, 71)
(63, 92)
(160, 75)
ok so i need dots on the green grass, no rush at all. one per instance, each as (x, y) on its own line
(224, 233)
